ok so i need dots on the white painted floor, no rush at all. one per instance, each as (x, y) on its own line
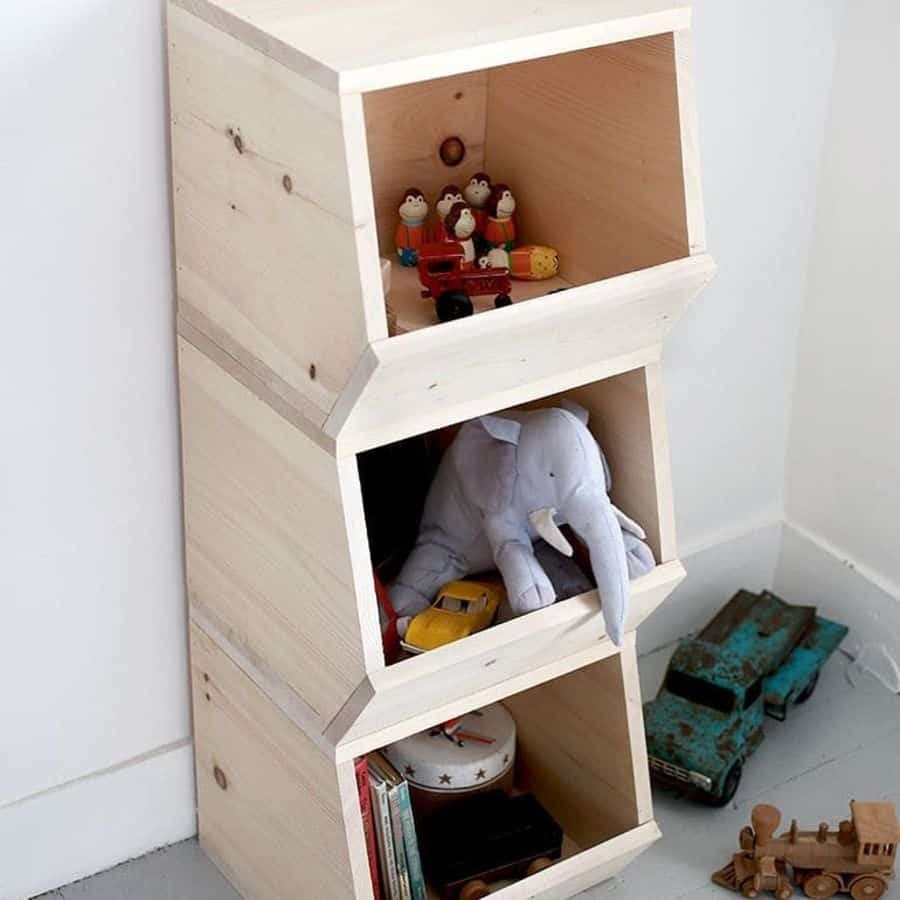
(843, 744)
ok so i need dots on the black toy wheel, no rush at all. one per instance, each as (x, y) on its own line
(729, 788)
(807, 692)
(453, 305)
(502, 300)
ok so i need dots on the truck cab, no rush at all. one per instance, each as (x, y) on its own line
(754, 658)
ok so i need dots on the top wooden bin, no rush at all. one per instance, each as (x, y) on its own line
(297, 126)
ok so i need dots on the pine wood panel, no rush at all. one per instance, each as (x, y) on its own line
(268, 555)
(690, 141)
(420, 381)
(628, 418)
(405, 128)
(575, 750)
(350, 47)
(591, 143)
(277, 828)
(569, 877)
(277, 272)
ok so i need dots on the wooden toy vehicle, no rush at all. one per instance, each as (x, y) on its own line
(486, 838)
(461, 609)
(857, 859)
(444, 278)
(756, 656)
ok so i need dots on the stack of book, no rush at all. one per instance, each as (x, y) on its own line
(390, 830)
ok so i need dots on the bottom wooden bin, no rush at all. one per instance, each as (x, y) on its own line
(281, 817)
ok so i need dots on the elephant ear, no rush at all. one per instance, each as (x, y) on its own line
(580, 413)
(501, 429)
(576, 409)
(486, 460)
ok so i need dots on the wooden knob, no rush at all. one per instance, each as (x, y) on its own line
(221, 779)
(452, 151)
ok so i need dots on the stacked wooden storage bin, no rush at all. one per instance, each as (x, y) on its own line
(296, 124)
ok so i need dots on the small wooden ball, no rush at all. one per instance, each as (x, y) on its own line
(453, 151)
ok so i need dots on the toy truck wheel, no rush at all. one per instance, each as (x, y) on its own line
(750, 886)
(453, 305)
(784, 890)
(538, 865)
(821, 886)
(867, 887)
(474, 890)
(729, 787)
(807, 692)
(502, 300)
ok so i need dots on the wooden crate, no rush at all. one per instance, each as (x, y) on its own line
(294, 128)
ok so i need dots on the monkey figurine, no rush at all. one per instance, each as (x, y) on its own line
(411, 231)
(476, 195)
(449, 195)
(500, 230)
(460, 224)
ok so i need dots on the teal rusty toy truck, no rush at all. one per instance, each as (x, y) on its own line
(758, 655)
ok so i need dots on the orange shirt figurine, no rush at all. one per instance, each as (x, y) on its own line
(460, 224)
(476, 195)
(500, 230)
(412, 232)
(449, 195)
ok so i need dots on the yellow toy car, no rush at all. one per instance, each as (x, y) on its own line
(461, 609)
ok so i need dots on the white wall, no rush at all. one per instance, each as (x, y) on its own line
(93, 689)
(843, 476)
(763, 72)
(95, 761)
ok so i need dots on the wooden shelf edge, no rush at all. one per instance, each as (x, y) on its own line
(585, 869)
(448, 373)
(514, 656)
(647, 592)
(273, 42)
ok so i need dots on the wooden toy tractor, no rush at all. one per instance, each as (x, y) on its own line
(857, 859)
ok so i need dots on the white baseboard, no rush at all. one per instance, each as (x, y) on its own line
(95, 822)
(811, 570)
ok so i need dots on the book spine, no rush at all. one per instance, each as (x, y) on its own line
(399, 844)
(385, 840)
(411, 842)
(365, 808)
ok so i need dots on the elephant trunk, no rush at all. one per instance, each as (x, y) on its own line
(592, 517)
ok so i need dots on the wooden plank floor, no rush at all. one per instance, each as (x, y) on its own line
(844, 743)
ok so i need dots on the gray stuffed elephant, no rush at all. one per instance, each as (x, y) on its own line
(506, 481)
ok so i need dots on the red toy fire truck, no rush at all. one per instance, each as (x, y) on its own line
(444, 278)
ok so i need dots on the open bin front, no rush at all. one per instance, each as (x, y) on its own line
(580, 753)
(589, 141)
(626, 417)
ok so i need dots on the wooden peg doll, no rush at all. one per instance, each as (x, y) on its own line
(411, 231)
(500, 230)
(460, 224)
(449, 195)
(476, 194)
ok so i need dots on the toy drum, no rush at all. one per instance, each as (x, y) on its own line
(463, 757)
